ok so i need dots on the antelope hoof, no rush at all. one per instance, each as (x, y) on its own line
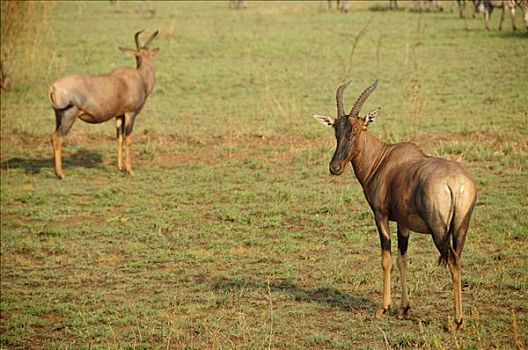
(458, 324)
(382, 311)
(404, 311)
(60, 175)
(129, 172)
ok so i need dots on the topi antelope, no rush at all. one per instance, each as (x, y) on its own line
(487, 7)
(420, 193)
(462, 7)
(341, 5)
(99, 98)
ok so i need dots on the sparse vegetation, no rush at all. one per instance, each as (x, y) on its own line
(232, 234)
(27, 54)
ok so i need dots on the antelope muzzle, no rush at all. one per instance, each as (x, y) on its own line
(336, 168)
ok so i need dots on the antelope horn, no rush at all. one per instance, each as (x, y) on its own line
(339, 99)
(147, 43)
(362, 98)
(136, 38)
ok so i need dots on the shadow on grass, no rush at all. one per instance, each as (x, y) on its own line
(518, 34)
(505, 34)
(82, 158)
(323, 295)
(383, 8)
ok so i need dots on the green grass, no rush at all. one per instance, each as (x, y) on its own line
(231, 233)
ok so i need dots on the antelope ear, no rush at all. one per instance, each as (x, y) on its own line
(129, 52)
(154, 52)
(370, 117)
(323, 119)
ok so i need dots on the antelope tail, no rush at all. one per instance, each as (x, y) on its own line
(446, 250)
(51, 93)
(56, 104)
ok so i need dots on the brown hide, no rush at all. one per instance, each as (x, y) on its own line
(421, 193)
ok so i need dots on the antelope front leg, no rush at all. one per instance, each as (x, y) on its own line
(502, 16)
(403, 242)
(512, 13)
(486, 19)
(386, 263)
(119, 130)
(56, 142)
(129, 123)
(128, 161)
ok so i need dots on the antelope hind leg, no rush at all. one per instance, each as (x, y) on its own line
(454, 268)
(64, 120)
(56, 143)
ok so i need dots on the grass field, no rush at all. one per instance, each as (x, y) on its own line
(232, 234)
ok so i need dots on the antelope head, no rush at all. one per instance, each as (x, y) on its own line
(348, 127)
(142, 52)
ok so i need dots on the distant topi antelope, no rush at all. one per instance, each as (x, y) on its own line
(94, 99)
(420, 193)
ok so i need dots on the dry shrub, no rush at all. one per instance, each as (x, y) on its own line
(27, 38)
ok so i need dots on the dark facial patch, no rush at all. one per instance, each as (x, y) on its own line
(343, 132)
(346, 130)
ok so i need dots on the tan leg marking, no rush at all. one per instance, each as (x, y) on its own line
(128, 162)
(386, 264)
(454, 268)
(406, 302)
(128, 147)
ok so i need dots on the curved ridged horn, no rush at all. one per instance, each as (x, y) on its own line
(362, 98)
(136, 38)
(339, 99)
(147, 43)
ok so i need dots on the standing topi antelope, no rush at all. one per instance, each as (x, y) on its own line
(487, 7)
(420, 193)
(99, 98)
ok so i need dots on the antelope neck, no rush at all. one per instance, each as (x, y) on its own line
(146, 70)
(371, 152)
